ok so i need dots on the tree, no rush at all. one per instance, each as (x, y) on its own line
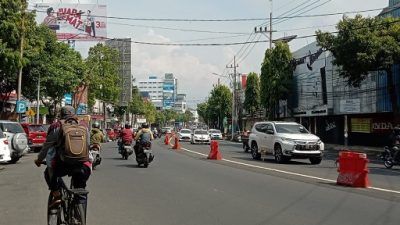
(276, 77)
(136, 105)
(219, 105)
(149, 111)
(363, 45)
(101, 74)
(252, 94)
(15, 25)
(202, 110)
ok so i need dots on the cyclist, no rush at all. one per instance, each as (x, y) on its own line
(79, 171)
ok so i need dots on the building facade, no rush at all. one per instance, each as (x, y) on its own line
(180, 105)
(393, 10)
(169, 91)
(123, 46)
(154, 88)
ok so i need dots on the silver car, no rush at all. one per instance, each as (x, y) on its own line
(17, 139)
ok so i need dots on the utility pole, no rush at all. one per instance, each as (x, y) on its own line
(234, 66)
(264, 30)
(19, 88)
(38, 101)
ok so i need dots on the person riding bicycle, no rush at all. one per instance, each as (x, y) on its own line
(56, 166)
(96, 136)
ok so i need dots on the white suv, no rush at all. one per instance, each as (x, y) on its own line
(285, 140)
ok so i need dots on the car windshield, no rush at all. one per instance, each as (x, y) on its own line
(290, 129)
(36, 128)
(185, 132)
(12, 128)
(200, 132)
(215, 131)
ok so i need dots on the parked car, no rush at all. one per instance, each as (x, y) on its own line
(36, 135)
(111, 134)
(215, 134)
(185, 135)
(285, 140)
(5, 154)
(200, 136)
(17, 139)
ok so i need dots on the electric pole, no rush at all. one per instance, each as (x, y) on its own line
(234, 66)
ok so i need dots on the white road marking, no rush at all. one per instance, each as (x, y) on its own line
(288, 172)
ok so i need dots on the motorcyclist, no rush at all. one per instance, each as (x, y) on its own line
(96, 136)
(395, 140)
(155, 132)
(143, 136)
(126, 136)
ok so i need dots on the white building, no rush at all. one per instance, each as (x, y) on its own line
(180, 103)
(154, 87)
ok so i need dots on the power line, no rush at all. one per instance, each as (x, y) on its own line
(180, 29)
(233, 20)
(251, 49)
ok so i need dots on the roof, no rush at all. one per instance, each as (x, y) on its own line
(389, 9)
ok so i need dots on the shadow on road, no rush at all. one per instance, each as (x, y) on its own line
(131, 166)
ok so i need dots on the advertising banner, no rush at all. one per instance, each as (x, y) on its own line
(74, 21)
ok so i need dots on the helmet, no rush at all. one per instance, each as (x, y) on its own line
(127, 126)
(96, 125)
(67, 111)
(145, 125)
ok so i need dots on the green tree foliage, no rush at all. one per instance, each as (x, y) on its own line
(101, 74)
(170, 115)
(276, 77)
(15, 24)
(149, 111)
(363, 45)
(136, 105)
(252, 94)
(202, 110)
(160, 118)
(219, 105)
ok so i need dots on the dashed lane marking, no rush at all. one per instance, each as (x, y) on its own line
(288, 172)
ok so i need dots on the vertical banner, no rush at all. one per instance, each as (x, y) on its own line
(74, 21)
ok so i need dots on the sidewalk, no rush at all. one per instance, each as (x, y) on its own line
(371, 151)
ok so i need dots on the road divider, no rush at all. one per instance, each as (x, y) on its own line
(353, 170)
(177, 145)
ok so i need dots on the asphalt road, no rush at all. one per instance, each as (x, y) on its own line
(182, 187)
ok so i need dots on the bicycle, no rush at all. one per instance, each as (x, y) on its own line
(70, 211)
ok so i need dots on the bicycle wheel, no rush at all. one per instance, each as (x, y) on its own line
(53, 215)
(78, 217)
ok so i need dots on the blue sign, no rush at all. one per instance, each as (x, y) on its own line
(81, 110)
(68, 99)
(21, 107)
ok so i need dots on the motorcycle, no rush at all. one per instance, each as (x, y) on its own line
(144, 154)
(390, 156)
(125, 149)
(95, 152)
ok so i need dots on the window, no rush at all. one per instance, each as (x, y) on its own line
(261, 127)
(290, 129)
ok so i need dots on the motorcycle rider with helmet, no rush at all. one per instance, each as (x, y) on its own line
(144, 136)
(126, 136)
(96, 136)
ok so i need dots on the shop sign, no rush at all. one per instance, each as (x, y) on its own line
(361, 125)
(350, 106)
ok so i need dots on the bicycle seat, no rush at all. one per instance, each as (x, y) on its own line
(79, 191)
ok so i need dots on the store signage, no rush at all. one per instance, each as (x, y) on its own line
(350, 106)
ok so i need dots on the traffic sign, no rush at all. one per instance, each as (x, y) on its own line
(68, 99)
(30, 112)
(21, 107)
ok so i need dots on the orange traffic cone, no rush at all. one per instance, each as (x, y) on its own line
(166, 140)
(177, 145)
(214, 152)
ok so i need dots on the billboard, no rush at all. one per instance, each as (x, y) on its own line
(74, 21)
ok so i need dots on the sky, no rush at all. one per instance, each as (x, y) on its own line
(195, 66)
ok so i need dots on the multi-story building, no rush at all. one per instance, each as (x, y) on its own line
(393, 10)
(180, 103)
(123, 46)
(154, 87)
(169, 91)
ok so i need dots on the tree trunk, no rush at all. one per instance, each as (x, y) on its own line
(392, 91)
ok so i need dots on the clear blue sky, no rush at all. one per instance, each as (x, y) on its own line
(193, 66)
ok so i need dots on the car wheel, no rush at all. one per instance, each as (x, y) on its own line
(14, 160)
(315, 160)
(279, 157)
(254, 152)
